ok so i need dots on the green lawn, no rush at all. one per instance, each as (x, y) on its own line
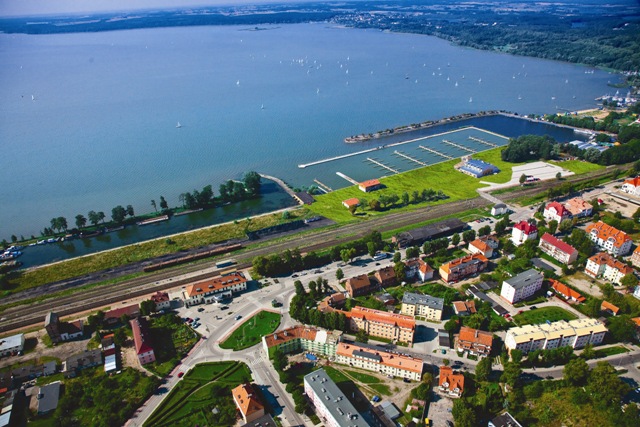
(493, 157)
(252, 330)
(578, 166)
(363, 378)
(610, 351)
(205, 387)
(541, 315)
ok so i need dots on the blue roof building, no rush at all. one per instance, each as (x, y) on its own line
(478, 168)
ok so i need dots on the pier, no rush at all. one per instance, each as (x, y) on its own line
(322, 186)
(282, 184)
(462, 147)
(397, 153)
(382, 165)
(431, 150)
(482, 141)
(343, 156)
(351, 180)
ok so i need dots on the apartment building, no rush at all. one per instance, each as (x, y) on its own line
(383, 324)
(522, 286)
(522, 232)
(372, 358)
(474, 341)
(461, 268)
(604, 266)
(212, 290)
(332, 406)
(142, 341)
(557, 249)
(578, 207)
(305, 338)
(609, 239)
(359, 285)
(422, 305)
(555, 211)
(386, 277)
(574, 333)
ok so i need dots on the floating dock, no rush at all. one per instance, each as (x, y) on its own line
(153, 220)
(382, 165)
(482, 141)
(431, 150)
(351, 180)
(398, 153)
(462, 147)
(323, 187)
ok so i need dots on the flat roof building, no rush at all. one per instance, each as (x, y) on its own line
(414, 304)
(546, 336)
(11, 345)
(522, 286)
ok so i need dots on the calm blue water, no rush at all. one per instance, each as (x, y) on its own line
(101, 130)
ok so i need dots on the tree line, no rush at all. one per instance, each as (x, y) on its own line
(386, 201)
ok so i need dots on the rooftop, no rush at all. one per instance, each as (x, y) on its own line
(364, 351)
(286, 335)
(451, 381)
(351, 202)
(11, 342)
(560, 210)
(603, 258)
(359, 282)
(140, 336)
(49, 395)
(475, 336)
(464, 306)
(566, 291)
(523, 279)
(633, 181)
(333, 399)
(553, 330)
(214, 285)
(370, 183)
(159, 297)
(607, 232)
(246, 399)
(577, 205)
(526, 227)
(372, 315)
(463, 262)
(564, 247)
(418, 299)
(130, 310)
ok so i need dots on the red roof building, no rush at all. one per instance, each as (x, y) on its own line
(386, 277)
(247, 402)
(606, 306)
(141, 340)
(370, 185)
(557, 249)
(359, 285)
(604, 266)
(632, 186)
(609, 238)
(351, 202)
(450, 383)
(522, 232)
(566, 292)
(113, 316)
(555, 211)
(474, 341)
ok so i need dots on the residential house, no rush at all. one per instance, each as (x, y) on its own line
(609, 308)
(412, 267)
(425, 272)
(546, 336)
(557, 249)
(112, 317)
(351, 202)
(390, 326)
(77, 362)
(142, 341)
(372, 358)
(11, 345)
(464, 308)
(474, 341)
(264, 421)
(359, 285)
(609, 238)
(305, 338)
(450, 383)
(484, 245)
(386, 298)
(522, 286)
(335, 300)
(386, 277)
(418, 236)
(331, 405)
(578, 208)
(522, 232)
(370, 185)
(504, 420)
(247, 402)
(60, 331)
(47, 397)
(566, 292)
(603, 265)
(499, 209)
(635, 257)
(422, 305)
(632, 186)
(555, 211)
(461, 268)
(162, 301)
(214, 289)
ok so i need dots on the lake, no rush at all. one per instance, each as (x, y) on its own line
(88, 120)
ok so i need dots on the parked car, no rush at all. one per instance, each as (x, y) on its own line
(224, 307)
(180, 374)
(238, 317)
(197, 319)
(201, 309)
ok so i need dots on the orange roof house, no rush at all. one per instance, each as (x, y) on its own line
(566, 291)
(464, 308)
(383, 324)
(474, 341)
(371, 358)
(351, 202)
(578, 207)
(461, 268)
(610, 308)
(215, 285)
(247, 402)
(609, 238)
(480, 246)
(369, 185)
(386, 276)
(450, 383)
(359, 285)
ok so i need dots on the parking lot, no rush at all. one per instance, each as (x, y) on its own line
(440, 411)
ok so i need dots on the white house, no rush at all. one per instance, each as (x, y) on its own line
(521, 286)
(555, 211)
(11, 345)
(546, 336)
(609, 238)
(499, 209)
(603, 265)
(522, 232)
(632, 186)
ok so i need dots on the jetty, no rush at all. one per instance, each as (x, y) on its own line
(462, 147)
(343, 156)
(323, 187)
(482, 141)
(282, 184)
(351, 180)
(153, 220)
(382, 165)
(398, 153)
(431, 150)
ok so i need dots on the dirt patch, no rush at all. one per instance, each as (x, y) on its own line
(585, 284)
(60, 351)
(130, 358)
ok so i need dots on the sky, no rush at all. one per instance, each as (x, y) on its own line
(50, 7)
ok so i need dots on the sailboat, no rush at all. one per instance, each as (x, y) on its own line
(456, 84)
(470, 99)
(238, 83)
(262, 107)
(519, 97)
(178, 125)
(33, 97)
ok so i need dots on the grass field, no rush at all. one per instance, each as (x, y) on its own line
(493, 157)
(541, 315)
(169, 351)
(610, 351)
(578, 166)
(252, 330)
(192, 399)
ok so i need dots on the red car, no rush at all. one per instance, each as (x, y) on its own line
(180, 374)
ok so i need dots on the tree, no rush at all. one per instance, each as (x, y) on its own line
(252, 183)
(412, 252)
(101, 216)
(279, 360)
(339, 274)
(130, 211)
(605, 386)
(374, 205)
(559, 176)
(455, 239)
(400, 270)
(565, 226)
(163, 204)
(468, 236)
(629, 281)
(94, 218)
(483, 369)
(463, 414)
(300, 291)
(352, 209)
(118, 214)
(362, 336)
(522, 179)
(155, 207)
(120, 337)
(576, 371)
(396, 257)
(371, 248)
(484, 231)
(622, 328)
(451, 325)
(553, 226)
(147, 307)
(81, 221)
(511, 374)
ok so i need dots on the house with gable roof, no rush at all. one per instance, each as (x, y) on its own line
(609, 238)
(450, 383)
(555, 211)
(631, 186)
(247, 402)
(557, 249)
(522, 232)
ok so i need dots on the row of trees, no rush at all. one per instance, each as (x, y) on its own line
(385, 201)
(609, 124)
(530, 147)
(303, 307)
(293, 385)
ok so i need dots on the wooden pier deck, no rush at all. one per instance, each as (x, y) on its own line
(351, 180)
(382, 165)
(462, 147)
(323, 187)
(431, 150)
(398, 153)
